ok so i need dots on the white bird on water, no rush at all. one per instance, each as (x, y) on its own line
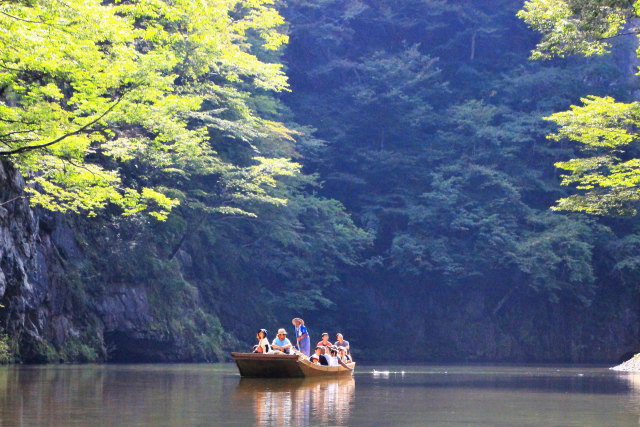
(386, 373)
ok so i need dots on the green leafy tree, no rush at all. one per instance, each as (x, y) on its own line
(608, 175)
(92, 89)
(576, 26)
(123, 109)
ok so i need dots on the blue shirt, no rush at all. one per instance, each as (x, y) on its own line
(304, 343)
(283, 343)
(301, 330)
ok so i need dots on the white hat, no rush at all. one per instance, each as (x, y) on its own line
(282, 331)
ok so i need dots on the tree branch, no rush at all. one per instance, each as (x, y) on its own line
(79, 166)
(14, 199)
(49, 24)
(10, 68)
(634, 32)
(186, 234)
(2, 119)
(62, 137)
(14, 133)
(24, 20)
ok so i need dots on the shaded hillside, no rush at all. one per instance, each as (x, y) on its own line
(432, 113)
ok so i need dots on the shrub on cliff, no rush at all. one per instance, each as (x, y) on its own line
(5, 351)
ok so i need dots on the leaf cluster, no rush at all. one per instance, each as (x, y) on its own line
(100, 101)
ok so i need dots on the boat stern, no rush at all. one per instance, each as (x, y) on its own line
(267, 365)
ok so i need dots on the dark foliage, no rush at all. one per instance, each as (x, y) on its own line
(432, 115)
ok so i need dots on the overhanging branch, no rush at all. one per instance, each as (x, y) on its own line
(62, 137)
(4, 137)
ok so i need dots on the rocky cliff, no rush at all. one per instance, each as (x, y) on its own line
(54, 310)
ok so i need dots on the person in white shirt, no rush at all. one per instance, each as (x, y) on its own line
(342, 354)
(315, 357)
(332, 357)
(263, 343)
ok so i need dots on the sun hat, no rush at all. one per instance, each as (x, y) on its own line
(293, 321)
(282, 331)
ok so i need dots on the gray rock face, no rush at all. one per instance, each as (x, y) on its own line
(23, 276)
(43, 310)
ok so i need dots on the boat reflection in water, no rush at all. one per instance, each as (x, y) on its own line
(298, 401)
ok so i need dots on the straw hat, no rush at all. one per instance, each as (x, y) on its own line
(297, 319)
(282, 331)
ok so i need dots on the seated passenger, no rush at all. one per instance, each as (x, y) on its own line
(324, 357)
(325, 341)
(342, 343)
(333, 357)
(263, 343)
(281, 342)
(342, 353)
(315, 357)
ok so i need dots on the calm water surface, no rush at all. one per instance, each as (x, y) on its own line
(208, 395)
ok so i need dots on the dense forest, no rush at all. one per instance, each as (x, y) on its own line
(177, 175)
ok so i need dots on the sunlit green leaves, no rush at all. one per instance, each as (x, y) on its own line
(574, 27)
(599, 123)
(604, 128)
(609, 181)
(89, 88)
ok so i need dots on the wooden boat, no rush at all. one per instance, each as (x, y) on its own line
(285, 366)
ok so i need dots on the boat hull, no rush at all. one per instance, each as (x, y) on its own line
(284, 366)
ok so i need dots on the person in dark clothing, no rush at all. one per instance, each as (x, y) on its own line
(315, 357)
(324, 360)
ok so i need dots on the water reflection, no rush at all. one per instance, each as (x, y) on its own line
(143, 395)
(632, 379)
(298, 401)
(211, 395)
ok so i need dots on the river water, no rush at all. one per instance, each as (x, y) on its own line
(214, 394)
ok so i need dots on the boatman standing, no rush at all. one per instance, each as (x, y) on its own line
(302, 336)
